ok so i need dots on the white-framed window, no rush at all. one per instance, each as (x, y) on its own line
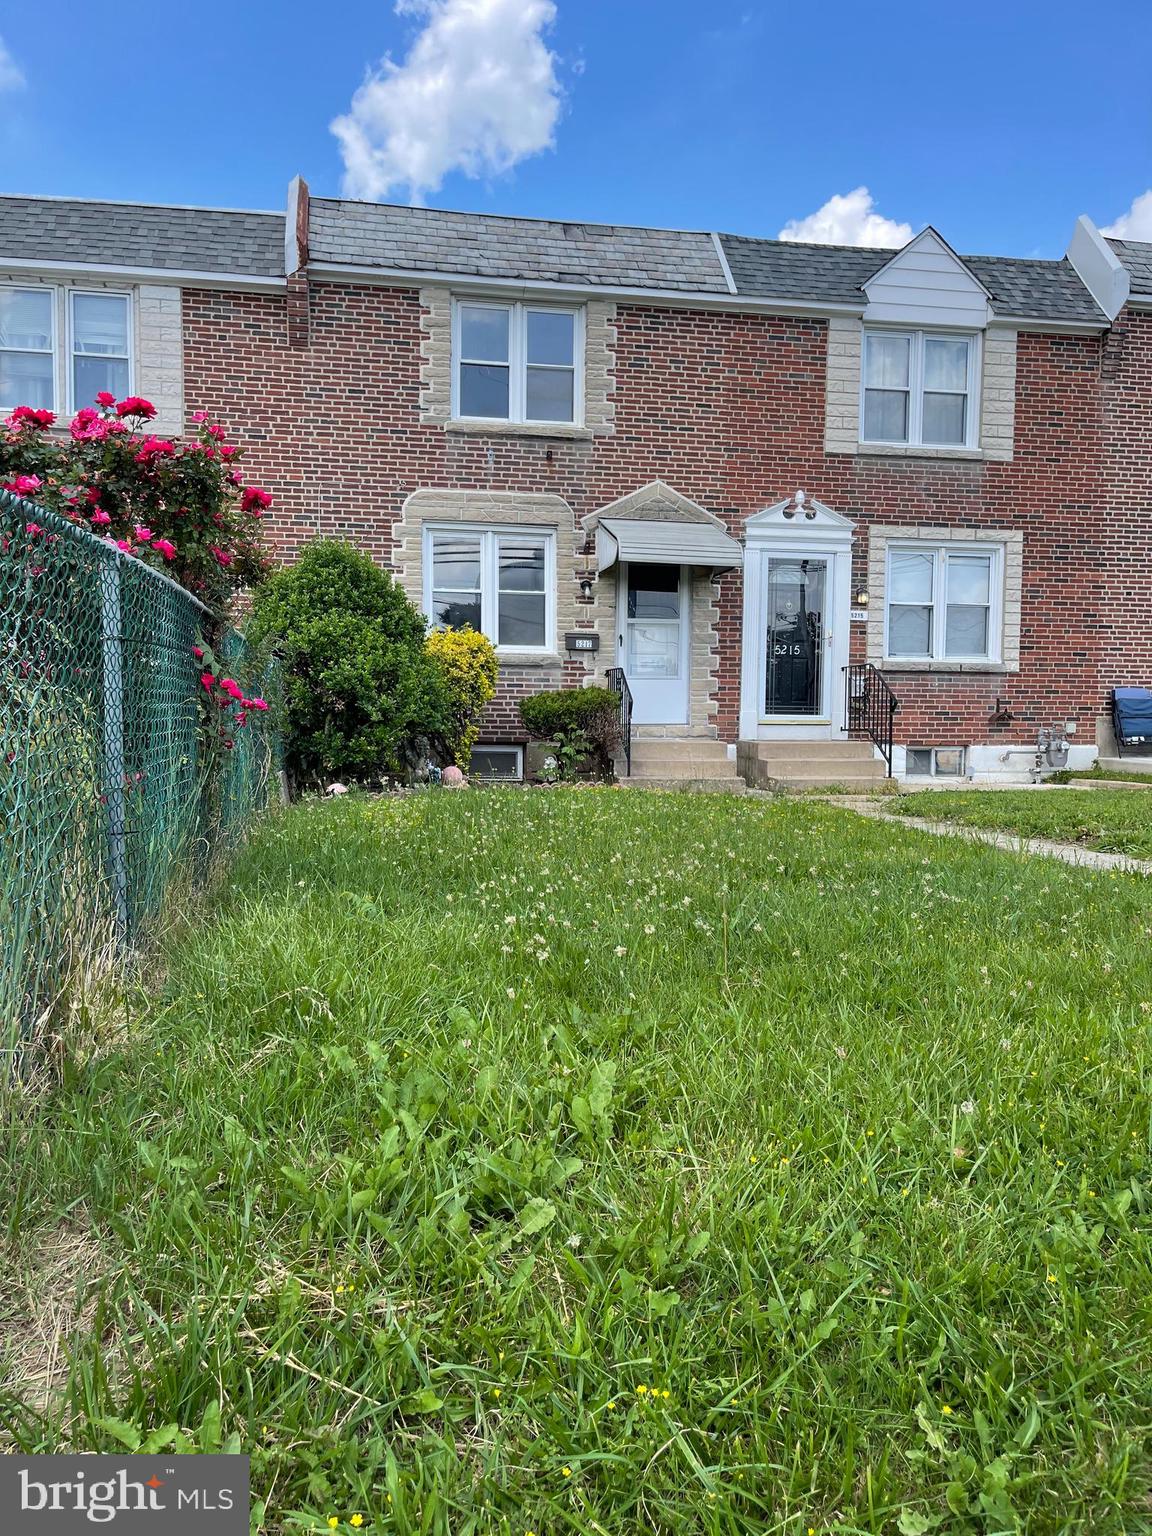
(27, 347)
(61, 346)
(920, 389)
(496, 762)
(500, 581)
(517, 362)
(944, 602)
(936, 762)
(100, 345)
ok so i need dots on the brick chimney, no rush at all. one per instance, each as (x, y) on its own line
(296, 261)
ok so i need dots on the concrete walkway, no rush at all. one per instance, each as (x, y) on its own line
(1068, 853)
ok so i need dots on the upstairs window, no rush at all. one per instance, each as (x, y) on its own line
(501, 582)
(919, 389)
(100, 346)
(27, 347)
(517, 362)
(944, 602)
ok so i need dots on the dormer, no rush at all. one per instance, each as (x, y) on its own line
(923, 372)
(927, 286)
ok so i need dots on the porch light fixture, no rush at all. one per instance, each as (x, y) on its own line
(861, 599)
(586, 588)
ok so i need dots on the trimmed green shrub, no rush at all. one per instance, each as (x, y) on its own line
(362, 698)
(468, 666)
(565, 714)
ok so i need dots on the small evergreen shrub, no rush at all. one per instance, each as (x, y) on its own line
(362, 697)
(564, 715)
(467, 664)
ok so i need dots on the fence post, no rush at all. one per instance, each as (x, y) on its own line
(113, 667)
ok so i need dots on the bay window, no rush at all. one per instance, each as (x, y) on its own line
(499, 581)
(943, 602)
(516, 362)
(919, 389)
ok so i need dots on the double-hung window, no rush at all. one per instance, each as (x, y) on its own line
(920, 389)
(83, 340)
(100, 346)
(498, 581)
(517, 362)
(27, 347)
(944, 602)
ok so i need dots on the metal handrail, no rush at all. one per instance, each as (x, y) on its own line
(618, 683)
(870, 707)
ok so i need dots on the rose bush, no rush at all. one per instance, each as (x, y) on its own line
(181, 506)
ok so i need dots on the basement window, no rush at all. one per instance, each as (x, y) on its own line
(936, 762)
(505, 763)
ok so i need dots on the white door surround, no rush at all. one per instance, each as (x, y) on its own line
(654, 624)
(790, 537)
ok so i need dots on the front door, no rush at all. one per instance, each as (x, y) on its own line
(796, 606)
(653, 641)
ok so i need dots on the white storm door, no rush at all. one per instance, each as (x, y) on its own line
(653, 641)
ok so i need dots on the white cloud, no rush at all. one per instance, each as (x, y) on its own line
(847, 219)
(477, 92)
(11, 76)
(1136, 224)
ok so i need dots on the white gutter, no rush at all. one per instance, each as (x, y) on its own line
(177, 275)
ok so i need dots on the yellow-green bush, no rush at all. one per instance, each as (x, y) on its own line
(467, 662)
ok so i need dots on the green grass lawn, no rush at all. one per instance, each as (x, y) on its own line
(1116, 821)
(601, 1162)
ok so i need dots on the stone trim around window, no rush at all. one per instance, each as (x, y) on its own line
(599, 373)
(157, 339)
(499, 508)
(842, 399)
(160, 355)
(1012, 544)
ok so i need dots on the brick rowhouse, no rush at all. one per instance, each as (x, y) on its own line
(729, 409)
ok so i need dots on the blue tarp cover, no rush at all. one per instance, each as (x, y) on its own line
(1132, 711)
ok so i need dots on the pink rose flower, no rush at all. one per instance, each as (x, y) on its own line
(221, 556)
(100, 517)
(142, 533)
(105, 399)
(88, 426)
(136, 405)
(255, 501)
(166, 549)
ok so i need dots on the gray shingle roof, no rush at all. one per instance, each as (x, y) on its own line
(432, 240)
(836, 274)
(486, 245)
(1136, 256)
(123, 234)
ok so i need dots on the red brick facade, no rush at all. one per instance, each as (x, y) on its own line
(729, 410)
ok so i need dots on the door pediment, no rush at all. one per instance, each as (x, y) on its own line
(799, 519)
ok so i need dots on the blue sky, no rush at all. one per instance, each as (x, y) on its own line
(999, 123)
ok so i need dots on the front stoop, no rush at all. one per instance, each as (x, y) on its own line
(696, 763)
(794, 765)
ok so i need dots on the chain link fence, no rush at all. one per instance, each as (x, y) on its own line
(109, 782)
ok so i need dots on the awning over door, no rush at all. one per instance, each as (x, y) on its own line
(665, 543)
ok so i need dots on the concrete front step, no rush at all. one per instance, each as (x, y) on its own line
(810, 764)
(851, 783)
(811, 751)
(670, 756)
(716, 784)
